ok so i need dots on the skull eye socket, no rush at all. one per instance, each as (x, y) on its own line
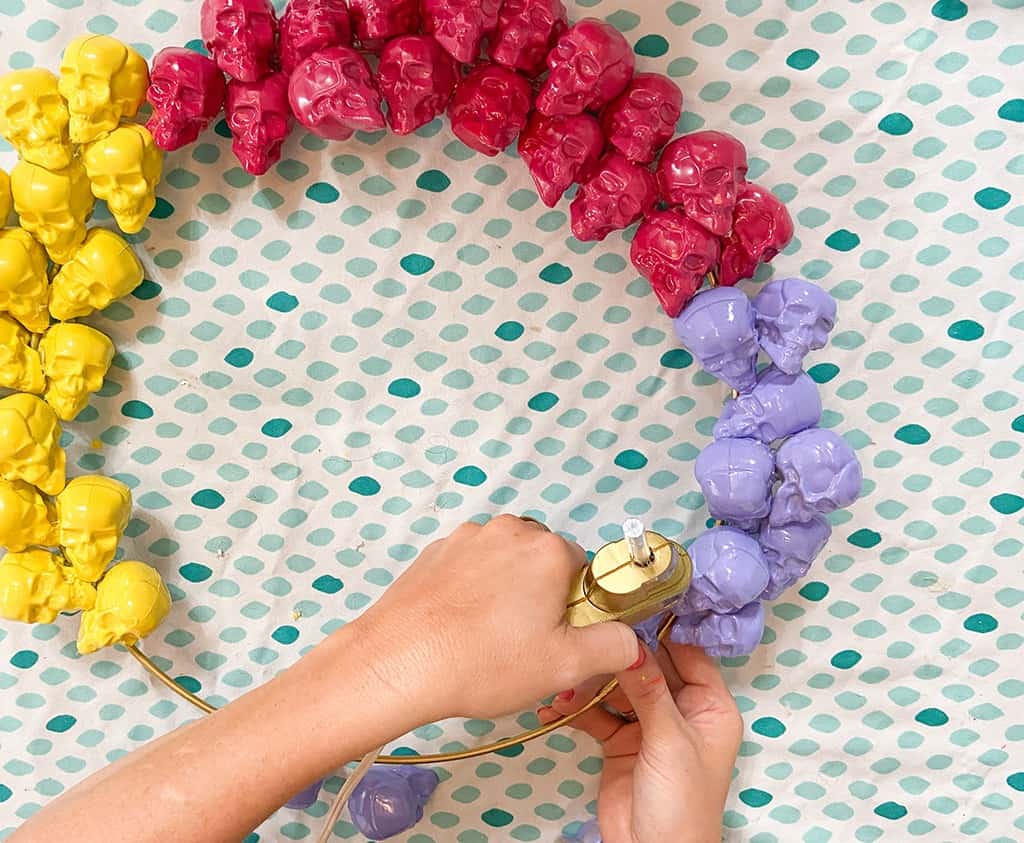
(639, 98)
(352, 71)
(716, 175)
(694, 263)
(418, 72)
(588, 67)
(539, 16)
(17, 110)
(573, 148)
(667, 113)
(229, 22)
(611, 183)
(243, 116)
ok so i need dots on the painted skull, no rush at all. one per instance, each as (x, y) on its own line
(416, 78)
(124, 169)
(642, 119)
(186, 90)
(131, 600)
(305, 798)
(460, 25)
(35, 587)
(616, 195)
(789, 550)
(332, 93)
(820, 474)
(19, 364)
(24, 288)
(718, 328)
(702, 172)
(241, 35)
(674, 254)
(6, 200)
(76, 359)
(53, 205)
(729, 571)
(761, 228)
(590, 66)
(34, 117)
(559, 151)
(25, 517)
(793, 317)
(390, 800)
(308, 26)
(259, 119)
(736, 477)
(778, 406)
(526, 30)
(92, 513)
(489, 108)
(376, 20)
(104, 81)
(723, 636)
(30, 443)
(104, 269)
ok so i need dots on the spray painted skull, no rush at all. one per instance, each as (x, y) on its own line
(642, 119)
(309, 26)
(332, 93)
(76, 359)
(460, 25)
(761, 228)
(590, 66)
(702, 172)
(6, 200)
(30, 443)
(778, 406)
(104, 269)
(723, 636)
(526, 30)
(241, 36)
(131, 600)
(559, 151)
(34, 117)
(25, 517)
(24, 288)
(124, 169)
(674, 253)
(53, 205)
(259, 119)
(736, 477)
(376, 20)
(489, 108)
(19, 364)
(790, 549)
(35, 587)
(186, 90)
(416, 78)
(390, 800)
(729, 571)
(92, 513)
(794, 317)
(718, 328)
(820, 474)
(616, 195)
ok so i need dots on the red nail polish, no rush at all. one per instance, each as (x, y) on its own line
(566, 696)
(640, 660)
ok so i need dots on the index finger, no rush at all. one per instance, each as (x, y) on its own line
(695, 667)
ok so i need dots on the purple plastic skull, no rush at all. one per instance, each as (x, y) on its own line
(642, 119)
(390, 800)
(617, 194)
(259, 119)
(778, 406)
(718, 328)
(559, 151)
(416, 78)
(304, 798)
(309, 26)
(761, 228)
(241, 36)
(736, 477)
(702, 172)
(489, 108)
(526, 29)
(186, 90)
(590, 66)
(375, 20)
(790, 549)
(589, 832)
(460, 25)
(647, 631)
(793, 317)
(729, 571)
(723, 636)
(820, 474)
(332, 93)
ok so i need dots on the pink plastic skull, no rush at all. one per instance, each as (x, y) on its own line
(590, 65)
(616, 195)
(241, 36)
(460, 25)
(416, 78)
(674, 254)
(332, 93)
(526, 31)
(559, 151)
(186, 90)
(642, 119)
(259, 120)
(702, 172)
(489, 108)
(375, 20)
(761, 228)
(308, 26)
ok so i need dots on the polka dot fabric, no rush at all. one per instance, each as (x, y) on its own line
(332, 365)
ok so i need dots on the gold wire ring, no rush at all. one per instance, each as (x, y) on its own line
(533, 520)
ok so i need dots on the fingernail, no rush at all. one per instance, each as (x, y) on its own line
(640, 660)
(566, 696)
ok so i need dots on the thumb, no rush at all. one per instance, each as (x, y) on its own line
(602, 648)
(645, 686)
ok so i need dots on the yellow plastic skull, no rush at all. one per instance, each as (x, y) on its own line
(35, 587)
(103, 270)
(92, 513)
(34, 117)
(103, 81)
(75, 359)
(30, 443)
(20, 367)
(26, 517)
(6, 202)
(53, 205)
(24, 289)
(124, 168)
(131, 600)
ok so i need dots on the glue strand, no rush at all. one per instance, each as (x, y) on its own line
(346, 791)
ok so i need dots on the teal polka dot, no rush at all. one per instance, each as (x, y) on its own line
(556, 273)
(845, 659)
(276, 428)
(60, 723)
(135, 409)
(404, 388)
(433, 180)
(896, 124)
(865, 538)
(770, 727)
(470, 475)
(991, 198)
(913, 434)
(194, 572)
(509, 331)
(891, 810)
(932, 717)
(208, 499)
(755, 797)
(842, 240)
(365, 486)
(949, 9)
(239, 357)
(542, 401)
(285, 634)
(1012, 110)
(328, 584)
(803, 59)
(965, 329)
(981, 622)
(323, 193)
(416, 264)
(282, 302)
(497, 818)
(630, 459)
(24, 659)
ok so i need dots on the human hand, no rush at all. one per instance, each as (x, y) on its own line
(667, 775)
